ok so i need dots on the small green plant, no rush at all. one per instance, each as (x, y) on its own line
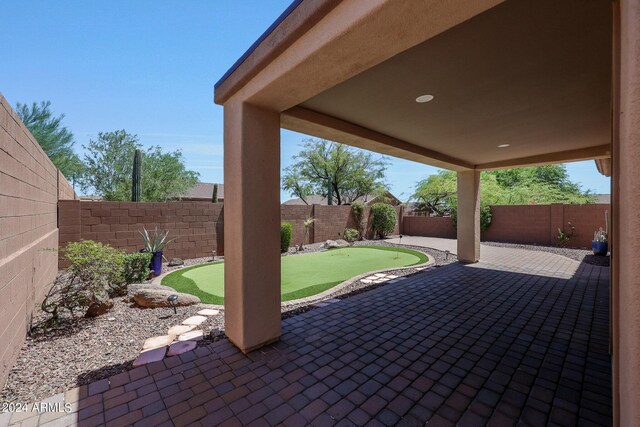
(157, 241)
(351, 235)
(286, 229)
(357, 210)
(383, 219)
(565, 236)
(136, 267)
(600, 236)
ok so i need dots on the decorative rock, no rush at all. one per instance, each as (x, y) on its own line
(181, 347)
(336, 244)
(194, 320)
(155, 342)
(100, 306)
(158, 298)
(153, 355)
(191, 336)
(135, 287)
(180, 329)
(175, 262)
(209, 312)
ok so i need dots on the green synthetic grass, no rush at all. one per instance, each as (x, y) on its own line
(302, 275)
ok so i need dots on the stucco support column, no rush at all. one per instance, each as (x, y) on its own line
(252, 225)
(468, 216)
(626, 272)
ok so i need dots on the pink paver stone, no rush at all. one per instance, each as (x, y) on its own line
(153, 355)
(209, 312)
(181, 347)
(191, 336)
(155, 342)
(180, 329)
(194, 320)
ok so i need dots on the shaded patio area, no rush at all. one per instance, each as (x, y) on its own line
(457, 344)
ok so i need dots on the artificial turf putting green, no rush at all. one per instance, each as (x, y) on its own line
(302, 275)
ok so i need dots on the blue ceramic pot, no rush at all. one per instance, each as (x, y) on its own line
(600, 248)
(156, 263)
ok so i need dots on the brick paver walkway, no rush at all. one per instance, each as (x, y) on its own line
(465, 345)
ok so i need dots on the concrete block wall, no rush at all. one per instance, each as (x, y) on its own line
(297, 215)
(28, 231)
(528, 224)
(65, 190)
(429, 226)
(196, 226)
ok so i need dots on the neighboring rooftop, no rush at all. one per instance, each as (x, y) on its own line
(603, 199)
(202, 191)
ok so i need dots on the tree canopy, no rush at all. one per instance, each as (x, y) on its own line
(109, 164)
(54, 138)
(436, 194)
(352, 173)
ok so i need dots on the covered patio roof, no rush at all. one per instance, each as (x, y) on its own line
(533, 75)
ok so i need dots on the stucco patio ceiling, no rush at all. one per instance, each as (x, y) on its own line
(534, 75)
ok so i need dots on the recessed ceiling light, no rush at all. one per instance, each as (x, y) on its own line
(503, 145)
(424, 98)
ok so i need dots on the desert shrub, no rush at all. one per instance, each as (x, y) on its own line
(136, 267)
(357, 210)
(485, 217)
(383, 219)
(351, 235)
(95, 273)
(286, 229)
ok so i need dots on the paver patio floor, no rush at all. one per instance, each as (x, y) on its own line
(465, 345)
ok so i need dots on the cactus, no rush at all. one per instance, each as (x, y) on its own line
(214, 198)
(136, 178)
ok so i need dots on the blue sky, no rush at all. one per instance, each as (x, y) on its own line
(149, 67)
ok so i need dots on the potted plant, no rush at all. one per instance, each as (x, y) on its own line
(600, 245)
(155, 244)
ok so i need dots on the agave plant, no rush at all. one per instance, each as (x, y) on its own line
(156, 242)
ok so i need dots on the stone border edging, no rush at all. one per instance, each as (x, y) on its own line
(322, 295)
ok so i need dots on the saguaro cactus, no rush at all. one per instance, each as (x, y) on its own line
(136, 178)
(214, 198)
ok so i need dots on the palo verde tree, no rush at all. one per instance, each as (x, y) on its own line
(348, 172)
(54, 138)
(436, 194)
(109, 169)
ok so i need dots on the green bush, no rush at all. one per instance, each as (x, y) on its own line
(383, 219)
(485, 217)
(136, 267)
(286, 229)
(95, 273)
(351, 235)
(99, 265)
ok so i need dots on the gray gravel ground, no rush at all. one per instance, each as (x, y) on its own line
(86, 350)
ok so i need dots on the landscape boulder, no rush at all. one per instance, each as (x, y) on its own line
(154, 297)
(340, 243)
(100, 305)
(175, 262)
